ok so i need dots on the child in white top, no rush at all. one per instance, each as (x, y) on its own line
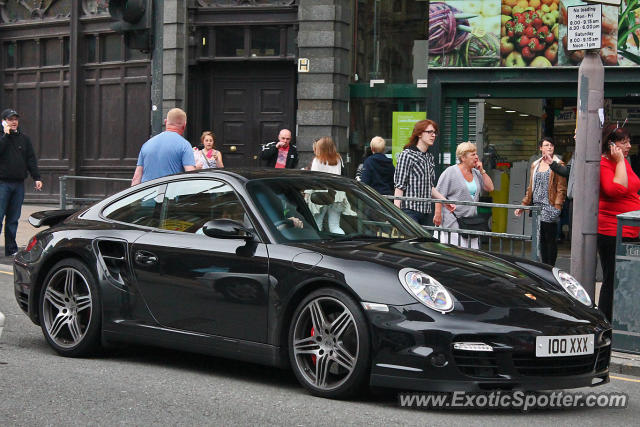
(208, 157)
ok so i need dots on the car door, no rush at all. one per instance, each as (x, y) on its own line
(197, 283)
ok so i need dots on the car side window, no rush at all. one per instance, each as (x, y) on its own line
(189, 204)
(140, 208)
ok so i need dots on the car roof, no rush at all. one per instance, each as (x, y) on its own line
(248, 174)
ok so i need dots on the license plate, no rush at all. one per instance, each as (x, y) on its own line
(564, 345)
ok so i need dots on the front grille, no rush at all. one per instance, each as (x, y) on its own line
(530, 365)
(476, 363)
(502, 361)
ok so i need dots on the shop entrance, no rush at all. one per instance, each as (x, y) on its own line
(245, 105)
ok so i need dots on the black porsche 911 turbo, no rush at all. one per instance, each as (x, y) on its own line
(251, 264)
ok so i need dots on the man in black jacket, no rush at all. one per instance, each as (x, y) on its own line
(281, 154)
(17, 158)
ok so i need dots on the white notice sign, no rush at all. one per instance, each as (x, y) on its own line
(585, 27)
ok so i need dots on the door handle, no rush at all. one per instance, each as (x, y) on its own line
(145, 258)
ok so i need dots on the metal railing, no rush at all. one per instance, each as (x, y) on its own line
(66, 199)
(487, 238)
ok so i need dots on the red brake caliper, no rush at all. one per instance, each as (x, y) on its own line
(313, 356)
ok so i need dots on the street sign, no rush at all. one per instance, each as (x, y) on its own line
(585, 27)
(303, 65)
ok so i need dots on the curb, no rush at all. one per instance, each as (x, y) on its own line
(625, 364)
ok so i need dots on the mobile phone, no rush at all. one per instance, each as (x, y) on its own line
(4, 123)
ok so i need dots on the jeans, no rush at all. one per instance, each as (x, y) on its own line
(11, 198)
(419, 217)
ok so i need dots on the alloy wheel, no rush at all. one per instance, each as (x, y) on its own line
(325, 343)
(67, 307)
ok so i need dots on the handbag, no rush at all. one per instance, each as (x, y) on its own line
(323, 197)
(474, 222)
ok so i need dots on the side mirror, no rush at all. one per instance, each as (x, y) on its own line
(226, 229)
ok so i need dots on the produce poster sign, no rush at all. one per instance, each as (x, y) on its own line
(403, 122)
(525, 33)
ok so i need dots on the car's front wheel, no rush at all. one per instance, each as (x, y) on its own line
(69, 309)
(329, 344)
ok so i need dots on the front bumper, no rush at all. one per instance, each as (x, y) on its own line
(413, 350)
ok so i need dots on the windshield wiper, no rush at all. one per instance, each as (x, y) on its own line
(359, 237)
(420, 239)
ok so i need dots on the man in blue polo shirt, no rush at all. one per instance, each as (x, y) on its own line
(166, 153)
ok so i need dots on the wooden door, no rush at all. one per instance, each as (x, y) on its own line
(249, 104)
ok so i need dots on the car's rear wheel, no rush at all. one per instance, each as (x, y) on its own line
(69, 309)
(329, 344)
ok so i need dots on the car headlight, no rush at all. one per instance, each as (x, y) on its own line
(426, 289)
(572, 286)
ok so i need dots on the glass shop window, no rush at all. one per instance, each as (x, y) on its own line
(29, 55)
(111, 48)
(9, 54)
(265, 41)
(230, 41)
(90, 44)
(52, 51)
(391, 40)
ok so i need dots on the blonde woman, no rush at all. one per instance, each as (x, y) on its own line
(464, 181)
(208, 157)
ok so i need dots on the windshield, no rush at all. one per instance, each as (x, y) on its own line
(311, 209)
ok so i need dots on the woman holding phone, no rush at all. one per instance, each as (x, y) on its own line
(619, 187)
(547, 189)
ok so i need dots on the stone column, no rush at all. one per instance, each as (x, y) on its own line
(324, 37)
(174, 60)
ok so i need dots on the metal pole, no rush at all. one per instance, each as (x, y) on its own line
(63, 192)
(534, 235)
(74, 88)
(156, 67)
(587, 172)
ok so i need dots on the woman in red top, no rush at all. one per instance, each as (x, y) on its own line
(619, 187)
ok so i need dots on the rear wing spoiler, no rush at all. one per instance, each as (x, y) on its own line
(53, 217)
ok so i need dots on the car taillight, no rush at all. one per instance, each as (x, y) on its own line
(32, 243)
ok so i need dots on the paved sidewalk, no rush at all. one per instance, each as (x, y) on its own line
(25, 230)
(621, 363)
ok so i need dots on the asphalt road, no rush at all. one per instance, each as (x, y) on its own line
(146, 386)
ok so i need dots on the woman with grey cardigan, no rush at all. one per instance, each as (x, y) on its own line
(464, 181)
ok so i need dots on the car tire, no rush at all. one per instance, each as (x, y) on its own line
(70, 309)
(329, 344)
